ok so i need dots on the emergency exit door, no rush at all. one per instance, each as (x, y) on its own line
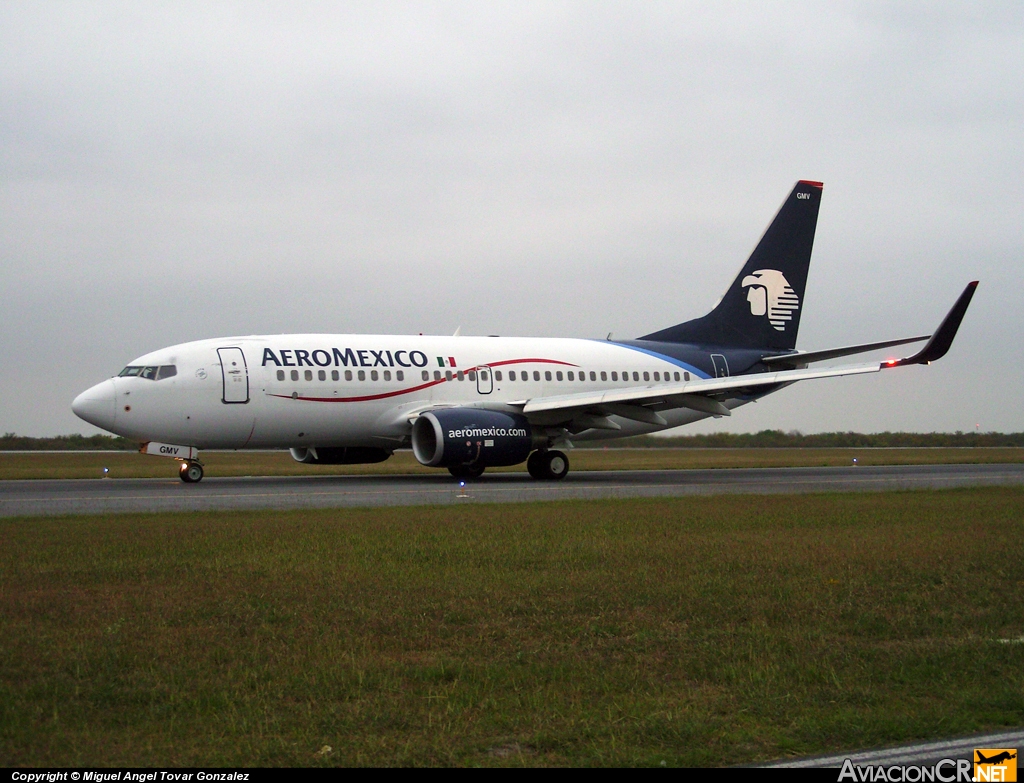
(235, 375)
(484, 380)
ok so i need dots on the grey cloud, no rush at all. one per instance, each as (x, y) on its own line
(171, 172)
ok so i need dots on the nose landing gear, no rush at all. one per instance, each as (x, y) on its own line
(190, 472)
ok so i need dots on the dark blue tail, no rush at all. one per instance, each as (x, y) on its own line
(761, 309)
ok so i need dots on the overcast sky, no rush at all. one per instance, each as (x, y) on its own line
(170, 172)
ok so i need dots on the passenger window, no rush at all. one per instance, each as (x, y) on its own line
(677, 375)
(348, 375)
(280, 375)
(615, 375)
(483, 375)
(636, 375)
(426, 375)
(657, 376)
(437, 375)
(335, 376)
(547, 375)
(309, 375)
(295, 375)
(461, 375)
(511, 375)
(593, 375)
(166, 371)
(536, 375)
(447, 375)
(387, 375)
(604, 375)
(373, 375)
(400, 375)
(571, 375)
(497, 375)
(558, 375)
(322, 375)
(472, 375)
(362, 375)
(686, 376)
(647, 376)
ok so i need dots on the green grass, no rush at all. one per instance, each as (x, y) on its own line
(703, 631)
(83, 464)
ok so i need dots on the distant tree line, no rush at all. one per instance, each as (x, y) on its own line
(777, 439)
(12, 442)
(765, 439)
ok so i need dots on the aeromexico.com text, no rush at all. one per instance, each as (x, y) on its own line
(297, 357)
(488, 432)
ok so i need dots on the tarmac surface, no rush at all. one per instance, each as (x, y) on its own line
(93, 496)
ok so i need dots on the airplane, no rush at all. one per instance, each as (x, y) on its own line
(469, 403)
(996, 759)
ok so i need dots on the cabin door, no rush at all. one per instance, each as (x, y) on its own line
(721, 365)
(235, 374)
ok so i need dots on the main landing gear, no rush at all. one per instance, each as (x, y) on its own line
(544, 465)
(548, 465)
(190, 472)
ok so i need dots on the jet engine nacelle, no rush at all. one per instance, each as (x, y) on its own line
(472, 436)
(344, 455)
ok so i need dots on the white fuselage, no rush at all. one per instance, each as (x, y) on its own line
(288, 391)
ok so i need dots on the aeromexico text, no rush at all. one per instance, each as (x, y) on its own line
(348, 358)
(488, 432)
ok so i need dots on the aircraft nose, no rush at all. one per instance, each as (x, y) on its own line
(97, 405)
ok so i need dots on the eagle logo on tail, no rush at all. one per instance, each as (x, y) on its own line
(771, 294)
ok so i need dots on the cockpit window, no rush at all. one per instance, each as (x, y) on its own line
(149, 373)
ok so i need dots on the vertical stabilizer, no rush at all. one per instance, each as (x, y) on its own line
(762, 307)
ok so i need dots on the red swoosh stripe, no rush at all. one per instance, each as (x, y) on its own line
(400, 392)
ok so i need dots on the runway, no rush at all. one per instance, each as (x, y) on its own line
(918, 754)
(61, 497)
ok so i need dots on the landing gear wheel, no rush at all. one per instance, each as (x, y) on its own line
(190, 472)
(466, 471)
(548, 465)
(556, 465)
(534, 465)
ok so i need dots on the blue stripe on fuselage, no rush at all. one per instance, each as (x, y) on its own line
(677, 362)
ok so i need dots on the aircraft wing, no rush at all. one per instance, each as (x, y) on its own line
(642, 403)
(592, 409)
(938, 343)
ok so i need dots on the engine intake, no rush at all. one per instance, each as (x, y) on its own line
(343, 455)
(471, 436)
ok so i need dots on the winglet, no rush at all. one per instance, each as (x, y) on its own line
(939, 342)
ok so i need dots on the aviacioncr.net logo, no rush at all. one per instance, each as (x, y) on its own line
(771, 294)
